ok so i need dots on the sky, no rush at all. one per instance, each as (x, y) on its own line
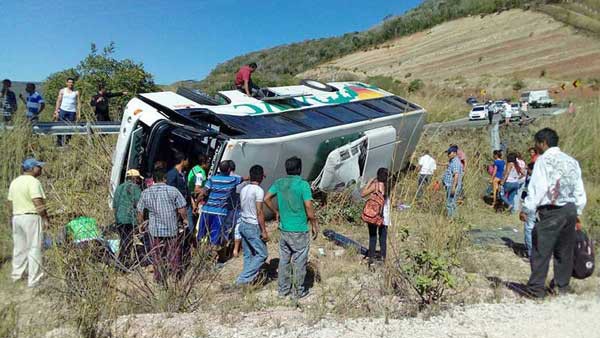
(175, 40)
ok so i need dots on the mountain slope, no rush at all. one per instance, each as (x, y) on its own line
(280, 64)
(478, 51)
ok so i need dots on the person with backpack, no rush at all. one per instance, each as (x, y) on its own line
(377, 211)
(556, 193)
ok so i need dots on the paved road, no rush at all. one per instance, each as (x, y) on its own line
(465, 123)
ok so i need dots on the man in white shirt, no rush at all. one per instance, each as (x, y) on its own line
(252, 227)
(506, 107)
(427, 167)
(557, 194)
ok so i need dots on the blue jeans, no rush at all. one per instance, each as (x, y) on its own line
(518, 199)
(528, 230)
(68, 117)
(423, 182)
(293, 248)
(191, 219)
(451, 201)
(255, 252)
(510, 189)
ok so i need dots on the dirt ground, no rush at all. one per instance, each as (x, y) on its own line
(479, 52)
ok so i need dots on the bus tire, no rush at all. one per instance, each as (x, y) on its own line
(314, 84)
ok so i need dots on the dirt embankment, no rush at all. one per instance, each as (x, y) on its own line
(490, 51)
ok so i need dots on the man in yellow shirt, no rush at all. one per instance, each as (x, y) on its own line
(28, 212)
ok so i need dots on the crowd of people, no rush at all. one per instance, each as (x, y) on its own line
(183, 208)
(179, 210)
(67, 108)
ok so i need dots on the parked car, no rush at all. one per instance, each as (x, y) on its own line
(515, 111)
(537, 98)
(472, 101)
(516, 108)
(496, 106)
(478, 113)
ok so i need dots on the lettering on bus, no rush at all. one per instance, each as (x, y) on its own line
(347, 94)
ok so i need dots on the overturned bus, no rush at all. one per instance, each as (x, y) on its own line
(342, 131)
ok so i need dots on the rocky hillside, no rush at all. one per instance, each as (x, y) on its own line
(479, 51)
(280, 64)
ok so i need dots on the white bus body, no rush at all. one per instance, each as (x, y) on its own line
(343, 135)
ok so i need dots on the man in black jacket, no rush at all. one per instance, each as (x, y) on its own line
(100, 103)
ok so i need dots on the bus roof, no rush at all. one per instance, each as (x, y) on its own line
(298, 97)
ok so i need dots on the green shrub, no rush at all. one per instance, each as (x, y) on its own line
(415, 85)
(518, 85)
(429, 274)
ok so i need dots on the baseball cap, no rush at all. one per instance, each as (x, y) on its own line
(31, 163)
(452, 149)
(133, 173)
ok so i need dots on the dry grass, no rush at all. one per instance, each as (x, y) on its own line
(76, 181)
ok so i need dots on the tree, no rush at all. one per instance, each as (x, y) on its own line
(102, 69)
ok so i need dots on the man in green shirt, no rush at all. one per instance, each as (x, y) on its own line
(125, 202)
(295, 211)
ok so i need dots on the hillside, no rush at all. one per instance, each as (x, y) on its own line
(280, 64)
(478, 51)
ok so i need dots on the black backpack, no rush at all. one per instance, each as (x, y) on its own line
(583, 266)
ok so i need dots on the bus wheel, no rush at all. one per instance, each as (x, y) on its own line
(314, 84)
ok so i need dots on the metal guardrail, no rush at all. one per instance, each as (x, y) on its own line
(65, 128)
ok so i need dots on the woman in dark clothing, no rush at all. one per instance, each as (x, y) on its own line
(379, 185)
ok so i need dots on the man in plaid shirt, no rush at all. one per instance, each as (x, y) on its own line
(453, 180)
(163, 203)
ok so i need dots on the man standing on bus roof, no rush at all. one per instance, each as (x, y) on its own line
(243, 79)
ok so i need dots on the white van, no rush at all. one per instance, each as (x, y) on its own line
(342, 131)
(537, 98)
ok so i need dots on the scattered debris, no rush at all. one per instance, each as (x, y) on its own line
(344, 241)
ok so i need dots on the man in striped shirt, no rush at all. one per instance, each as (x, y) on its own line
(34, 102)
(213, 220)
